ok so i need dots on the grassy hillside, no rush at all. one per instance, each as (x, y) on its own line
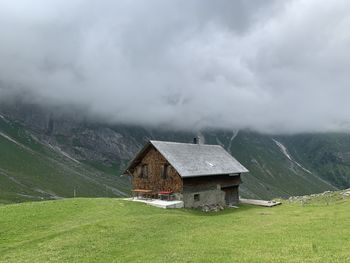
(30, 170)
(271, 174)
(113, 230)
(328, 155)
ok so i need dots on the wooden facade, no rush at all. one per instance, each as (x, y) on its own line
(155, 180)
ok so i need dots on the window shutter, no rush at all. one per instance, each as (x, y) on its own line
(146, 170)
(139, 171)
(162, 171)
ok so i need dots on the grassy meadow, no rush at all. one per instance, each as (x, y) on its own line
(114, 230)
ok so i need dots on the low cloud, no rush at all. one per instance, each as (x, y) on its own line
(270, 66)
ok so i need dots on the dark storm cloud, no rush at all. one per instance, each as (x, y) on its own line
(272, 66)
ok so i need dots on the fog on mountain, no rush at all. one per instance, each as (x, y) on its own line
(271, 66)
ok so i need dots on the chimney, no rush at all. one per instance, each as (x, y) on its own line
(195, 140)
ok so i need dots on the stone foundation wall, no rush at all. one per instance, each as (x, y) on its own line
(207, 197)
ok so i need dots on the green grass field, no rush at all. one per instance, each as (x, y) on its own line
(113, 230)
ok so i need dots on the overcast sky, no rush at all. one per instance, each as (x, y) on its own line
(271, 66)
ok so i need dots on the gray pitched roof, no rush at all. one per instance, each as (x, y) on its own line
(192, 160)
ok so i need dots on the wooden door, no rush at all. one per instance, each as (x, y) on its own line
(231, 195)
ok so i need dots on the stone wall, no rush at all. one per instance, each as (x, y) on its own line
(208, 197)
(211, 189)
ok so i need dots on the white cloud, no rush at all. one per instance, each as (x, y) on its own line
(270, 66)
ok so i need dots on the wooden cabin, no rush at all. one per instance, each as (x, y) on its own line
(197, 174)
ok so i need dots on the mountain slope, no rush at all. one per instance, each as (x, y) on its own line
(31, 170)
(327, 155)
(279, 165)
(272, 172)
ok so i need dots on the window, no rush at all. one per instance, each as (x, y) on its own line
(144, 171)
(196, 197)
(139, 171)
(164, 171)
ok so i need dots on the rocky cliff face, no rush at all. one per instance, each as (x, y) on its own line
(279, 165)
(82, 139)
